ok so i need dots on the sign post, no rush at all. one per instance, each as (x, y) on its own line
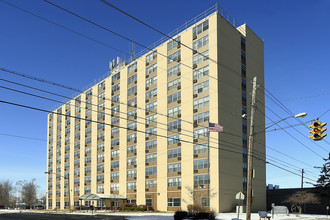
(239, 196)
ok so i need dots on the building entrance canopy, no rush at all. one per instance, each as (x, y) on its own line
(92, 196)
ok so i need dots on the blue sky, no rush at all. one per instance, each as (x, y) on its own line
(297, 52)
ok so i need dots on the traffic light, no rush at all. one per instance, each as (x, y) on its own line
(317, 130)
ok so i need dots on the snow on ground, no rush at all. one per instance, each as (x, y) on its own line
(169, 216)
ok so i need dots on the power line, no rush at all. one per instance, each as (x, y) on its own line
(48, 98)
(296, 130)
(17, 136)
(65, 28)
(97, 111)
(47, 111)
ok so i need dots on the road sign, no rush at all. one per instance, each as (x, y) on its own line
(240, 196)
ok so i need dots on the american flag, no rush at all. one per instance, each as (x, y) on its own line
(214, 127)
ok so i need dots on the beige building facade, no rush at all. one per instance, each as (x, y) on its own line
(142, 133)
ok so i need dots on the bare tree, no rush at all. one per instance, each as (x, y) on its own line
(194, 198)
(299, 198)
(28, 191)
(6, 190)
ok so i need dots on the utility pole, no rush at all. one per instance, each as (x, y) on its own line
(302, 178)
(249, 180)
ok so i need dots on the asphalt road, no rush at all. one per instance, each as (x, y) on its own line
(42, 216)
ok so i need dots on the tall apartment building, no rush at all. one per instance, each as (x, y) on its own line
(141, 134)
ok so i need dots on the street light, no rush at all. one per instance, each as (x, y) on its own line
(250, 146)
(300, 115)
(68, 178)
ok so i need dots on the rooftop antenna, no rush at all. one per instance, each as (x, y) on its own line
(132, 51)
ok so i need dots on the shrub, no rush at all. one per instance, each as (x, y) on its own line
(179, 215)
(193, 208)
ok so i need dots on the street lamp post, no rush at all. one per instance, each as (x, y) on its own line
(250, 146)
(68, 178)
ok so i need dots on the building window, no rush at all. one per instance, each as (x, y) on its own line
(100, 96)
(173, 112)
(201, 180)
(243, 57)
(152, 56)
(150, 158)
(131, 173)
(131, 186)
(132, 102)
(202, 117)
(89, 93)
(115, 88)
(202, 102)
(174, 57)
(87, 189)
(100, 168)
(174, 43)
(151, 107)
(131, 149)
(151, 132)
(115, 99)
(88, 170)
(201, 42)
(114, 154)
(151, 119)
(150, 171)
(100, 177)
(243, 84)
(151, 145)
(114, 187)
(151, 184)
(131, 91)
(173, 71)
(201, 57)
(132, 125)
(174, 84)
(174, 139)
(131, 161)
(132, 68)
(131, 79)
(201, 164)
(131, 137)
(174, 98)
(200, 28)
(88, 179)
(100, 158)
(115, 142)
(151, 69)
(152, 81)
(200, 148)
(148, 202)
(174, 202)
(115, 164)
(114, 132)
(201, 87)
(174, 167)
(243, 99)
(174, 182)
(174, 125)
(116, 77)
(174, 153)
(101, 86)
(201, 133)
(243, 71)
(131, 114)
(151, 94)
